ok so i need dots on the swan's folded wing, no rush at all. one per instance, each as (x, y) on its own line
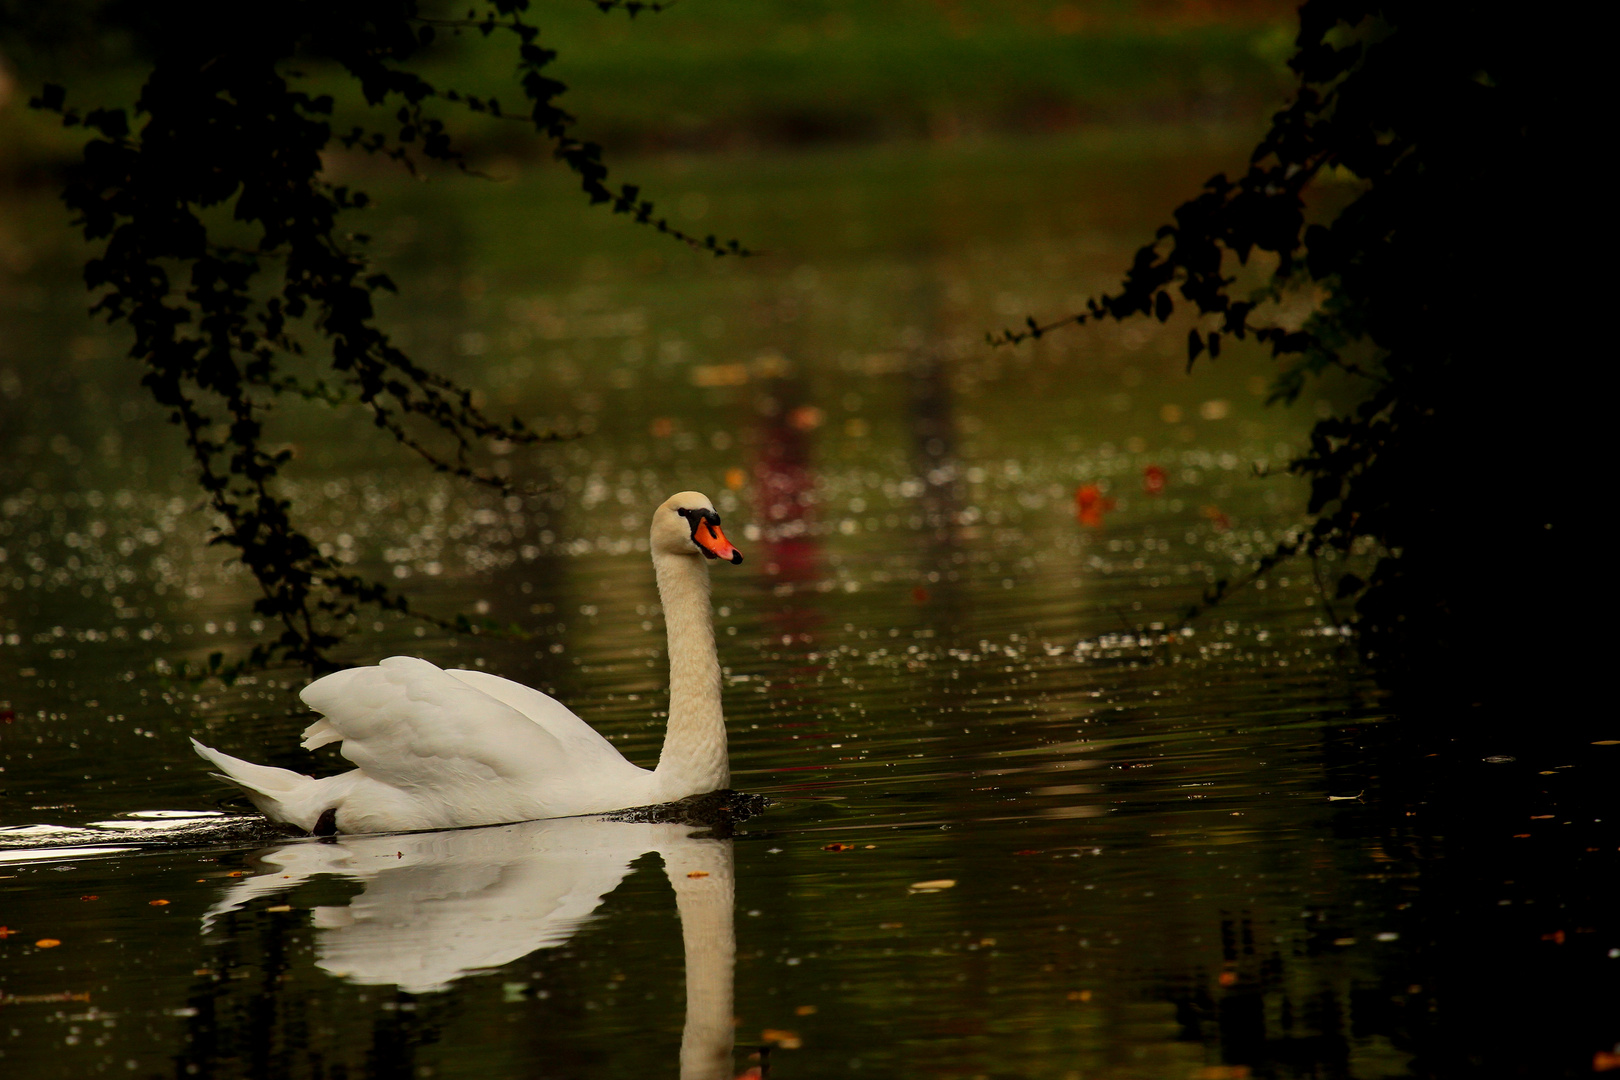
(578, 736)
(410, 724)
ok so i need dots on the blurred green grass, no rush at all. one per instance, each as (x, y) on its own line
(718, 74)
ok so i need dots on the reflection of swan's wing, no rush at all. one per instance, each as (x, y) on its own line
(421, 928)
(437, 906)
(286, 868)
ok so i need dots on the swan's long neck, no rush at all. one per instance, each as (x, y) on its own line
(694, 758)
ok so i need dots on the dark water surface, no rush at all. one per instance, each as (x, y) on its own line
(1022, 822)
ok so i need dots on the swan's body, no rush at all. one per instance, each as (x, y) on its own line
(438, 749)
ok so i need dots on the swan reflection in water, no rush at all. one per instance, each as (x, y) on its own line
(442, 905)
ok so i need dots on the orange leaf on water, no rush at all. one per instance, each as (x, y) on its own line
(697, 873)
(47, 943)
(158, 903)
(787, 1040)
(1603, 1061)
(837, 847)
(1090, 504)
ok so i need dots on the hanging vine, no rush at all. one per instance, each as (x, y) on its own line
(221, 142)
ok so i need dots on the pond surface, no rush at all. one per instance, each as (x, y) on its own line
(1024, 820)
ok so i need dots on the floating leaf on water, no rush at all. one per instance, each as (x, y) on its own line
(1079, 995)
(158, 903)
(1607, 742)
(933, 886)
(47, 943)
(1344, 942)
(787, 1040)
(838, 847)
(1498, 759)
(1090, 504)
(1227, 978)
(697, 873)
(1346, 798)
(805, 1010)
(279, 907)
(89, 897)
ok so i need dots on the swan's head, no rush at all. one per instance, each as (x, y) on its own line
(687, 524)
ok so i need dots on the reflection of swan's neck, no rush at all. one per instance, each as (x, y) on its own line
(709, 937)
(694, 756)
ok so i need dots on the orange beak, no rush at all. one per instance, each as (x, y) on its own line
(714, 543)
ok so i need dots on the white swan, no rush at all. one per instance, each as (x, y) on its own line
(440, 749)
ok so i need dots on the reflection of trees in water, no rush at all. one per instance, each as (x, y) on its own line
(785, 480)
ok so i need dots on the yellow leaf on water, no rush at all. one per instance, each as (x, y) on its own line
(280, 907)
(787, 1040)
(933, 886)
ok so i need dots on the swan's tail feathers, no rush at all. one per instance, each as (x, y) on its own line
(280, 794)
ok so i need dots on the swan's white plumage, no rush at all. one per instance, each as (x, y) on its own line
(437, 749)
